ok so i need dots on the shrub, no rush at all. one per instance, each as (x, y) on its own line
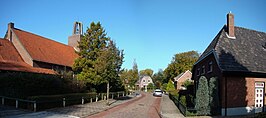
(214, 96)
(22, 85)
(202, 97)
(187, 83)
(183, 100)
(170, 86)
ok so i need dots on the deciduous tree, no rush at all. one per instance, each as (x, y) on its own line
(181, 62)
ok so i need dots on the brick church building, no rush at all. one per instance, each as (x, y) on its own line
(25, 51)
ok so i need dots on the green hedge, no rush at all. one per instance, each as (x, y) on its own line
(22, 85)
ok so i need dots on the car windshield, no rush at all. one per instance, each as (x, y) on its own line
(158, 91)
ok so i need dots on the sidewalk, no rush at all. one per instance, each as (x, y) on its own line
(76, 111)
(169, 109)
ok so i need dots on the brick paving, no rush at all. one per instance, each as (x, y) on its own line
(146, 107)
(74, 111)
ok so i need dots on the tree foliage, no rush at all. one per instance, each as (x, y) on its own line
(148, 72)
(99, 59)
(214, 95)
(158, 78)
(170, 86)
(131, 76)
(181, 62)
(150, 86)
(202, 97)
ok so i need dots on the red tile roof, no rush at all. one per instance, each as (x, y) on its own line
(10, 60)
(22, 67)
(46, 50)
(8, 51)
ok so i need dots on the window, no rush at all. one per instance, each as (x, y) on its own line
(210, 67)
(143, 80)
(203, 70)
(148, 80)
(198, 72)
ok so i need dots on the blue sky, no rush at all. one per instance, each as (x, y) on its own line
(150, 31)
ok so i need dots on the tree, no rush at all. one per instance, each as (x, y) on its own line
(214, 96)
(202, 97)
(181, 62)
(148, 72)
(158, 78)
(170, 86)
(131, 76)
(150, 86)
(99, 59)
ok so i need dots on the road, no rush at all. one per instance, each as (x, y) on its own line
(146, 107)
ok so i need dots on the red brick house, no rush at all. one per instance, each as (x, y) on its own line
(237, 57)
(40, 52)
(181, 78)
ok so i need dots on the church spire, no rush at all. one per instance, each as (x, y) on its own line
(76, 35)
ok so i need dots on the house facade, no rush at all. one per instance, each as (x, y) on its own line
(40, 52)
(181, 78)
(236, 57)
(143, 82)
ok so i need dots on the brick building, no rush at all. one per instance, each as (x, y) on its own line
(236, 56)
(181, 78)
(40, 52)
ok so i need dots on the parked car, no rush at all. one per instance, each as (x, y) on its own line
(158, 92)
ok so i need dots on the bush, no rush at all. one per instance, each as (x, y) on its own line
(170, 86)
(187, 83)
(214, 96)
(22, 85)
(202, 97)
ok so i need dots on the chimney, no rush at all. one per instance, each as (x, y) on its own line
(9, 32)
(230, 25)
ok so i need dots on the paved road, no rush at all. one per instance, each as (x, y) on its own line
(74, 111)
(146, 107)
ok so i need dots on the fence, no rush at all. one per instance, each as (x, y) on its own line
(183, 109)
(62, 102)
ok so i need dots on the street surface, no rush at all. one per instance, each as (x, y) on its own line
(147, 106)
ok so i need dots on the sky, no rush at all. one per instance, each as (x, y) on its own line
(149, 31)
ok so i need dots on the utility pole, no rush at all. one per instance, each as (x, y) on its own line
(107, 96)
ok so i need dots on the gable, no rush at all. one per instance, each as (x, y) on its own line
(46, 50)
(245, 53)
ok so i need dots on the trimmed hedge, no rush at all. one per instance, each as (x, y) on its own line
(21, 85)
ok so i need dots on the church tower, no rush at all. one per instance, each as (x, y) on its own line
(76, 35)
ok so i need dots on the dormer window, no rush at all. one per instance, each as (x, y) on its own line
(264, 46)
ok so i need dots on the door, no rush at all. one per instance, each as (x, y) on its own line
(259, 96)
